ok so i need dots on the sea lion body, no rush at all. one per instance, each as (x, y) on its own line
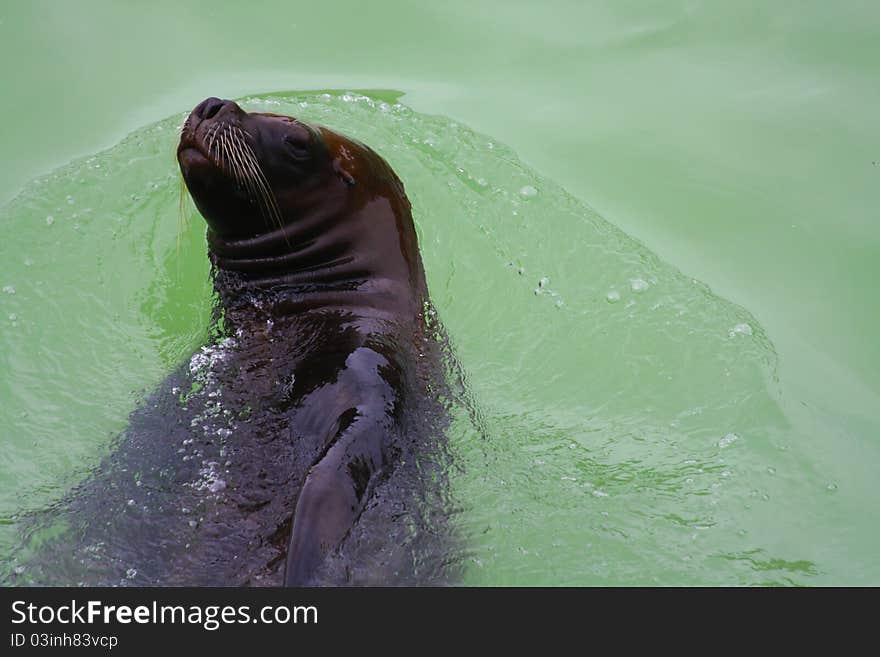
(292, 424)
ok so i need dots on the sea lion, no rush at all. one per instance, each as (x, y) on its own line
(304, 443)
(317, 269)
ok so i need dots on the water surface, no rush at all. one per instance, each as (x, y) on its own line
(737, 143)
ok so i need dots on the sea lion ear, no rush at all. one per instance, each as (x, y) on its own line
(342, 173)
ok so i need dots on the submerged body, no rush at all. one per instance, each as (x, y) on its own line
(297, 449)
(211, 480)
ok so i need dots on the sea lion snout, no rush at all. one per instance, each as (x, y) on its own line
(210, 107)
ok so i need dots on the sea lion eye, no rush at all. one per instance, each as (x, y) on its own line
(297, 148)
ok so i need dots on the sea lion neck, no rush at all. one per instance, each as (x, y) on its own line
(359, 257)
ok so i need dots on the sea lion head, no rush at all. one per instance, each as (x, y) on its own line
(299, 205)
(250, 174)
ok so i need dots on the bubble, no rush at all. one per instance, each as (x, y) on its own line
(528, 191)
(131, 573)
(771, 470)
(613, 296)
(740, 329)
(728, 440)
(217, 486)
(50, 220)
(638, 284)
(831, 487)
(9, 289)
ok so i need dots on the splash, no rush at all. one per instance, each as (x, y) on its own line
(606, 382)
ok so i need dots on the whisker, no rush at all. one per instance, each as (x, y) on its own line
(267, 196)
(209, 139)
(230, 148)
(260, 178)
(244, 172)
(238, 169)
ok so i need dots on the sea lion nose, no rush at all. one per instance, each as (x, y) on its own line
(210, 107)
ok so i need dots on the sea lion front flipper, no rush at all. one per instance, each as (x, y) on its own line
(333, 497)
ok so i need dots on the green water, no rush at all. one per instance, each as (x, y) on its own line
(642, 427)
